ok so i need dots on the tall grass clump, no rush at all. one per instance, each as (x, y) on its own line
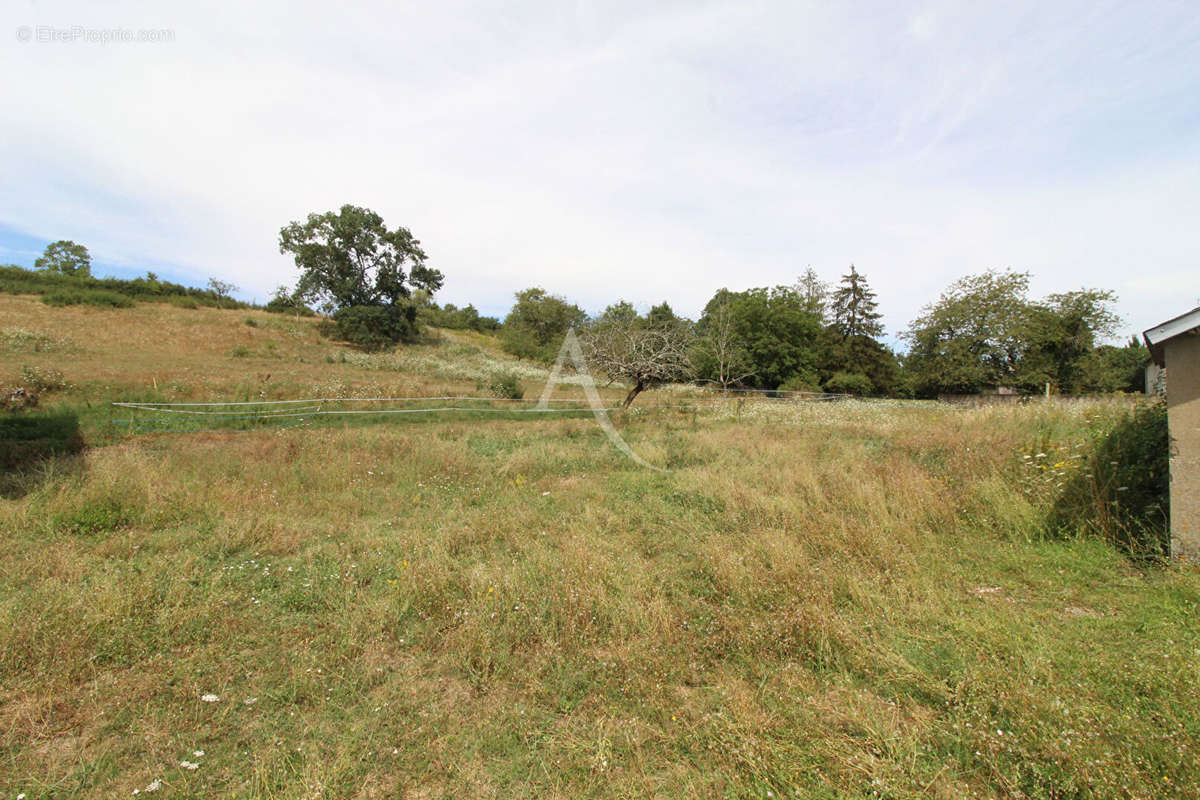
(27, 439)
(1121, 491)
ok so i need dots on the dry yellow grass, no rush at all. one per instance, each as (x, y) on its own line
(841, 601)
(208, 353)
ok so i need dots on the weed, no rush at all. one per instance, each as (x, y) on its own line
(98, 516)
(20, 340)
(506, 385)
(43, 379)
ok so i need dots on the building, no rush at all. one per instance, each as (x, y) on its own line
(1175, 345)
(1156, 379)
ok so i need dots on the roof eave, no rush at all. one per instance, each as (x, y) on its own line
(1155, 337)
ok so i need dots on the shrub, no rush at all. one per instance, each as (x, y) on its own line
(25, 439)
(849, 383)
(1123, 492)
(250, 323)
(87, 297)
(800, 383)
(506, 385)
(43, 379)
(454, 318)
(279, 305)
(17, 280)
(376, 327)
(240, 351)
(17, 399)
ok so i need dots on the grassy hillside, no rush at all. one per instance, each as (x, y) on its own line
(159, 350)
(815, 601)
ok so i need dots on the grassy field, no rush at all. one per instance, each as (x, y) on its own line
(815, 601)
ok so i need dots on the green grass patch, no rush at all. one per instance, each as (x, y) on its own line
(27, 439)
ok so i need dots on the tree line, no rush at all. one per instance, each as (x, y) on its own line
(984, 331)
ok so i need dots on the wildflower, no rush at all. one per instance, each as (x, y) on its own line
(154, 785)
(250, 701)
(193, 766)
(209, 698)
(198, 753)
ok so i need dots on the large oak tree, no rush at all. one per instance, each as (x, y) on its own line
(350, 258)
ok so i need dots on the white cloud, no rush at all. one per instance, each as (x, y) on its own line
(609, 151)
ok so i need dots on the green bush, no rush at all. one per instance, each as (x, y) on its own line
(800, 383)
(18, 280)
(87, 297)
(506, 385)
(278, 305)
(455, 318)
(240, 351)
(1122, 494)
(29, 438)
(849, 383)
(184, 302)
(376, 327)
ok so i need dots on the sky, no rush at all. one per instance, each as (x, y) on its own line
(644, 151)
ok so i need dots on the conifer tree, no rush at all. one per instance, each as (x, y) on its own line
(853, 307)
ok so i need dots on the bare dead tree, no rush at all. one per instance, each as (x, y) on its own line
(642, 354)
(724, 347)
